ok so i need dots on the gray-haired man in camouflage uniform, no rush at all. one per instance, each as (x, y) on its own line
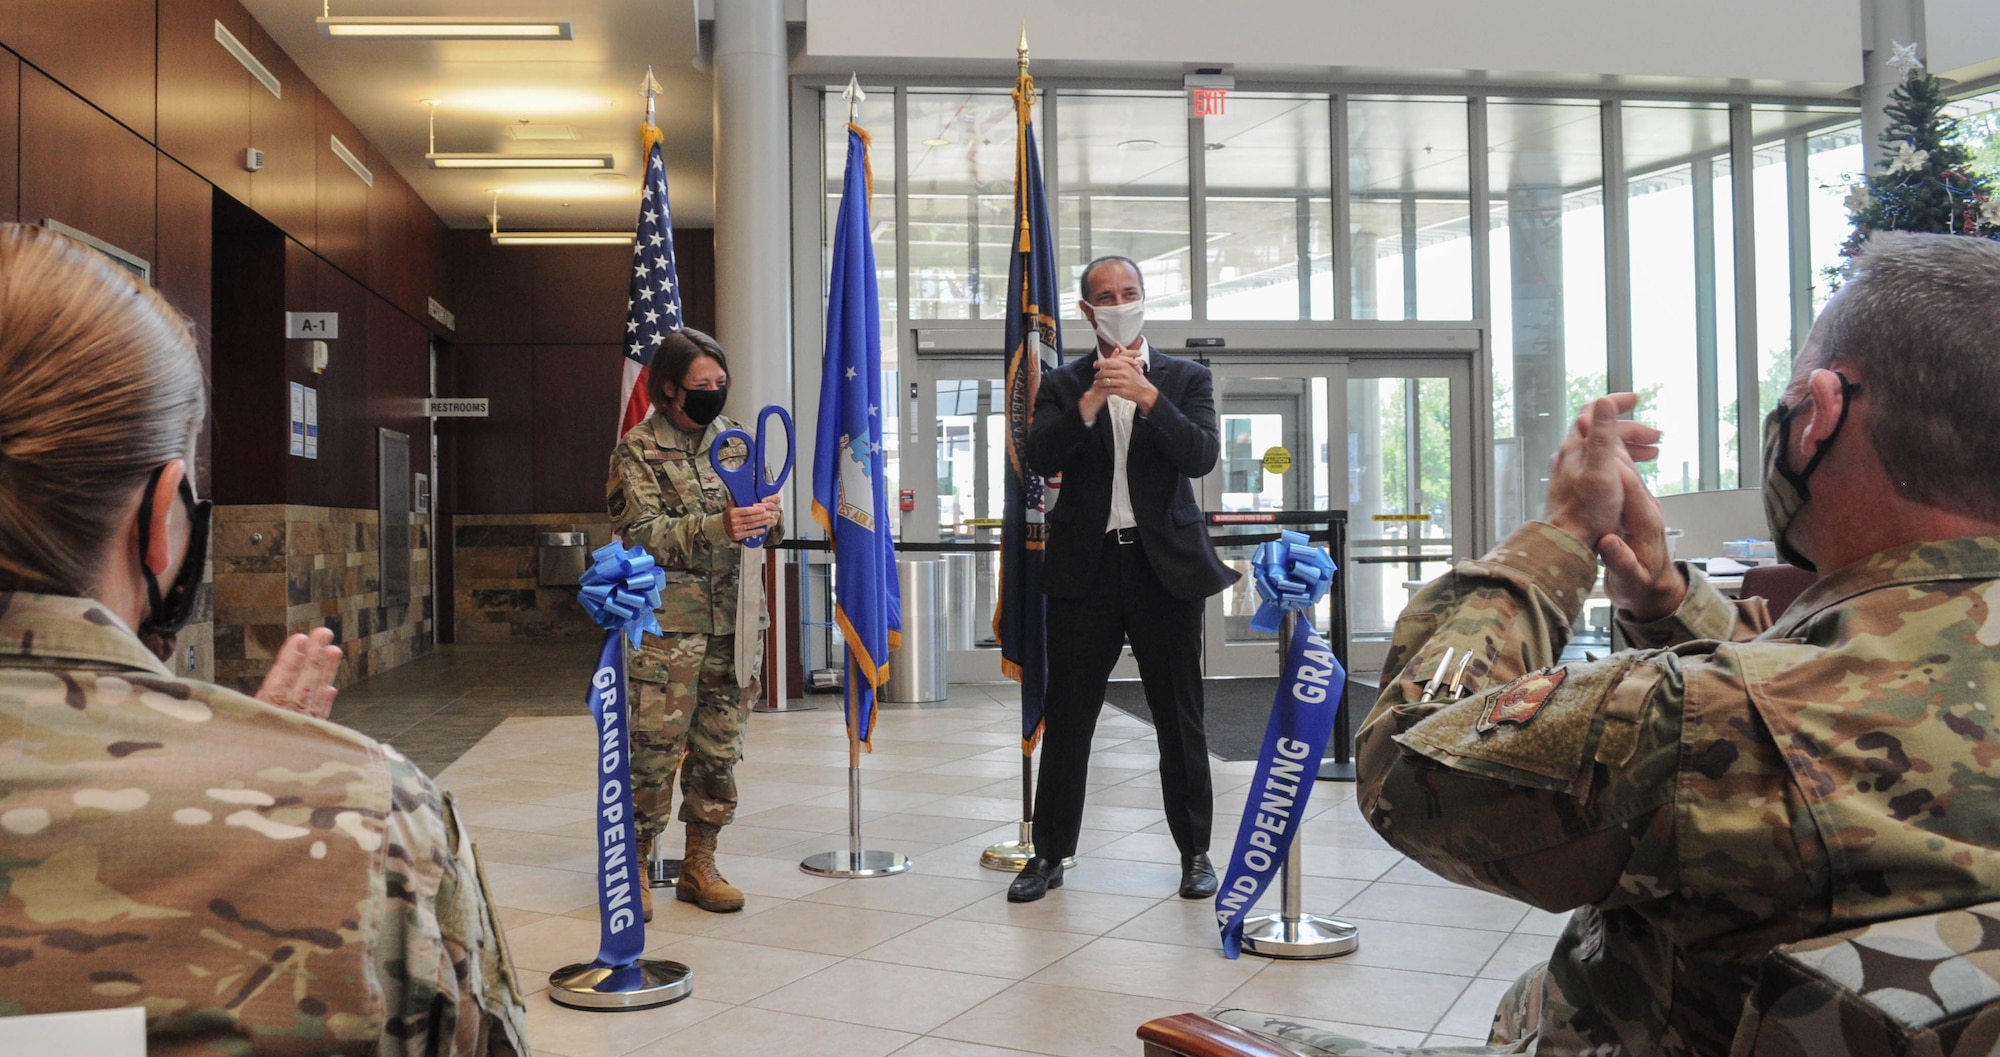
(1735, 784)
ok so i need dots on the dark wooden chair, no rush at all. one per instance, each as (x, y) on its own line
(1778, 585)
(1922, 986)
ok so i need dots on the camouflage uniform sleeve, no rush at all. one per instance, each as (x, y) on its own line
(1547, 783)
(448, 987)
(639, 513)
(1703, 614)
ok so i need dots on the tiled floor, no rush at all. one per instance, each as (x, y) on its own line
(936, 962)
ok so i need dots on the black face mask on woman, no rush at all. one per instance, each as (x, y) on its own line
(167, 614)
(701, 406)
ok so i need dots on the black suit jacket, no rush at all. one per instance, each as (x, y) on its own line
(1177, 442)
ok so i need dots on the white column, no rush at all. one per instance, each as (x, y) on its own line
(1884, 24)
(753, 205)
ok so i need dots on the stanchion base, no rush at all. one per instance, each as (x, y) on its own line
(848, 864)
(1011, 855)
(1311, 936)
(582, 986)
(664, 873)
(1335, 771)
(784, 706)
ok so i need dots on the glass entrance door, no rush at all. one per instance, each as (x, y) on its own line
(1408, 464)
(1280, 422)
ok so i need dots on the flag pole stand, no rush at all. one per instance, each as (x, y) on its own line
(1292, 933)
(1012, 855)
(591, 987)
(854, 862)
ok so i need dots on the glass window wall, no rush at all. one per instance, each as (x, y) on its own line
(1408, 208)
(961, 202)
(1268, 167)
(1677, 203)
(1122, 188)
(1545, 172)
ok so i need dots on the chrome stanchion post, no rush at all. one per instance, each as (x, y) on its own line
(1293, 933)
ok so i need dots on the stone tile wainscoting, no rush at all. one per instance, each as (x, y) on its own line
(283, 568)
(494, 569)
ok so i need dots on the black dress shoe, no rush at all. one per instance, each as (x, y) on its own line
(1198, 877)
(1036, 878)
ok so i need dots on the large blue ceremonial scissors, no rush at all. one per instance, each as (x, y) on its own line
(752, 482)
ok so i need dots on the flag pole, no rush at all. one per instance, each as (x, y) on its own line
(1010, 856)
(852, 531)
(855, 861)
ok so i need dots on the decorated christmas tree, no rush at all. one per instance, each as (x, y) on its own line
(1924, 181)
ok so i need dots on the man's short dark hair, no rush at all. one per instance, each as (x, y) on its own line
(675, 356)
(1083, 280)
(1920, 321)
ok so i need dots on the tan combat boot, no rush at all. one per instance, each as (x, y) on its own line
(646, 878)
(701, 883)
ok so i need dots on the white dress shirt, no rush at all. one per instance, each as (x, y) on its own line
(1122, 411)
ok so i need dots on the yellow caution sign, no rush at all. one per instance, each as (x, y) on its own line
(1401, 517)
(983, 522)
(1277, 460)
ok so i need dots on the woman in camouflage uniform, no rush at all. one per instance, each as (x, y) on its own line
(257, 880)
(688, 710)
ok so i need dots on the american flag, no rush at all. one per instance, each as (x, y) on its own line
(654, 308)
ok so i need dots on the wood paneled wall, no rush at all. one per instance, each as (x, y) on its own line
(128, 120)
(541, 335)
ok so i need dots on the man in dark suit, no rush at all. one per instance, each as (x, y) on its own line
(1128, 558)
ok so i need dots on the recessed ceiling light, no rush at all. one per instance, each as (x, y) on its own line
(937, 141)
(518, 161)
(1138, 144)
(433, 27)
(561, 238)
(520, 102)
(572, 189)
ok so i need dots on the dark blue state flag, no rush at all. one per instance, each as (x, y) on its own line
(850, 500)
(1034, 344)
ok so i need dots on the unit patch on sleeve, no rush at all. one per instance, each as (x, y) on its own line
(1518, 703)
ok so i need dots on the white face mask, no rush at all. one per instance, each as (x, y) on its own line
(1119, 324)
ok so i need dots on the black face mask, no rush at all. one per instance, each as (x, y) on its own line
(701, 406)
(1786, 490)
(167, 615)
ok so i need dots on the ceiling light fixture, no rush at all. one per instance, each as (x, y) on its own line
(553, 238)
(441, 27)
(496, 160)
(517, 161)
(937, 141)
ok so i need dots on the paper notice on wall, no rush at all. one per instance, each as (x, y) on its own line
(297, 432)
(312, 423)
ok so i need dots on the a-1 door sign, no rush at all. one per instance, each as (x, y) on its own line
(321, 325)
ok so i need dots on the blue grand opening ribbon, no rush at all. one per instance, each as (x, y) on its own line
(1291, 576)
(621, 589)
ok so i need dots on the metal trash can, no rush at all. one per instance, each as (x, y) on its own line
(961, 610)
(917, 667)
(560, 558)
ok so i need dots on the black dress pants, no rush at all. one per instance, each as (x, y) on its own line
(1127, 602)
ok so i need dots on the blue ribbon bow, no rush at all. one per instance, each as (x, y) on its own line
(621, 589)
(1290, 574)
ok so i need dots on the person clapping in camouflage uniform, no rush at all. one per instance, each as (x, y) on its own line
(689, 708)
(1734, 784)
(260, 881)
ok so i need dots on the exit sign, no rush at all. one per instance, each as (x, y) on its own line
(1207, 102)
